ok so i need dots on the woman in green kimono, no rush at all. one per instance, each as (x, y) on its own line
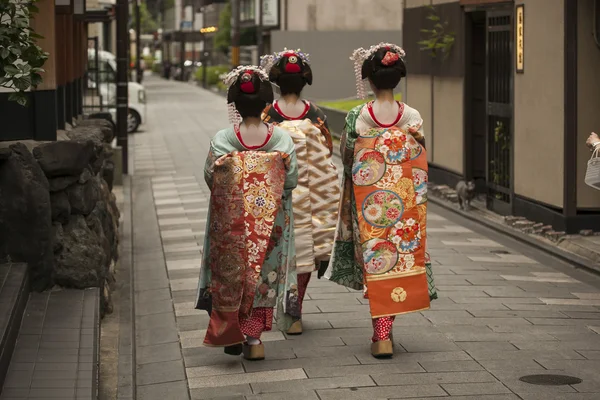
(248, 264)
(381, 236)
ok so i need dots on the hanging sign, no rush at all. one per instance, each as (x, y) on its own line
(270, 12)
(520, 38)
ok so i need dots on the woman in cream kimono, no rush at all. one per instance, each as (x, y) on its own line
(381, 238)
(316, 198)
(248, 264)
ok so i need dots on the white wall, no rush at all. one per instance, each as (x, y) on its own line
(333, 72)
(344, 15)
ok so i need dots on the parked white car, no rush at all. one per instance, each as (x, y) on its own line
(107, 71)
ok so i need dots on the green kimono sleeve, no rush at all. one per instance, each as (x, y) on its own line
(209, 166)
(291, 163)
(349, 136)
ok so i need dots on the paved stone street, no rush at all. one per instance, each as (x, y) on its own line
(505, 310)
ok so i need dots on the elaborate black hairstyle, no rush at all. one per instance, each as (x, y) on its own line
(289, 69)
(384, 68)
(382, 64)
(249, 90)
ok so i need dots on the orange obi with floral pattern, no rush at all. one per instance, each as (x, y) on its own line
(390, 185)
(245, 200)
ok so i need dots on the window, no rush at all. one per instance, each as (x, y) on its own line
(105, 74)
(247, 10)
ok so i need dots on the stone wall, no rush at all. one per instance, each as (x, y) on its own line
(57, 209)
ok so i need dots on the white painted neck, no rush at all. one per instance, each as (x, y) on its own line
(386, 111)
(291, 105)
(254, 134)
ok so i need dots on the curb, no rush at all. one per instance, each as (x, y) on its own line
(568, 257)
(126, 366)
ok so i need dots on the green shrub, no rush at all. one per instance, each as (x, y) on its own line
(349, 104)
(222, 86)
(213, 74)
(149, 60)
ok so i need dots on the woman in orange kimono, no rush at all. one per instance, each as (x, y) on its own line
(381, 238)
(248, 263)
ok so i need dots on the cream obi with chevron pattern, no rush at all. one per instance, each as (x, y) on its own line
(316, 198)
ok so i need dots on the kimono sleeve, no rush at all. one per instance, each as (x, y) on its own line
(265, 116)
(324, 128)
(327, 134)
(415, 126)
(209, 166)
(291, 177)
(349, 136)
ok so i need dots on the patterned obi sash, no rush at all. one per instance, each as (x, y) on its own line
(316, 198)
(390, 188)
(245, 200)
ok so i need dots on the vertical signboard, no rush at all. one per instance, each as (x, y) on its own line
(520, 38)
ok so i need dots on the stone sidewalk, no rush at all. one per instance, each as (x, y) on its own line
(505, 310)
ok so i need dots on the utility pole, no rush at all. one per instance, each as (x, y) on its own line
(235, 33)
(205, 64)
(193, 34)
(259, 31)
(182, 54)
(138, 47)
(122, 70)
(204, 52)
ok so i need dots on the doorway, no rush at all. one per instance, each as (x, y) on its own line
(489, 106)
(475, 84)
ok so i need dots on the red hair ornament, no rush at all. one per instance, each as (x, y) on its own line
(390, 58)
(292, 66)
(247, 86)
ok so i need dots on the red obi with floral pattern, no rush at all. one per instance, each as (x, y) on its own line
(245, 199)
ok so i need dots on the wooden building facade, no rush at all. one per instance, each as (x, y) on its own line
(511, 103)
(58, 101)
